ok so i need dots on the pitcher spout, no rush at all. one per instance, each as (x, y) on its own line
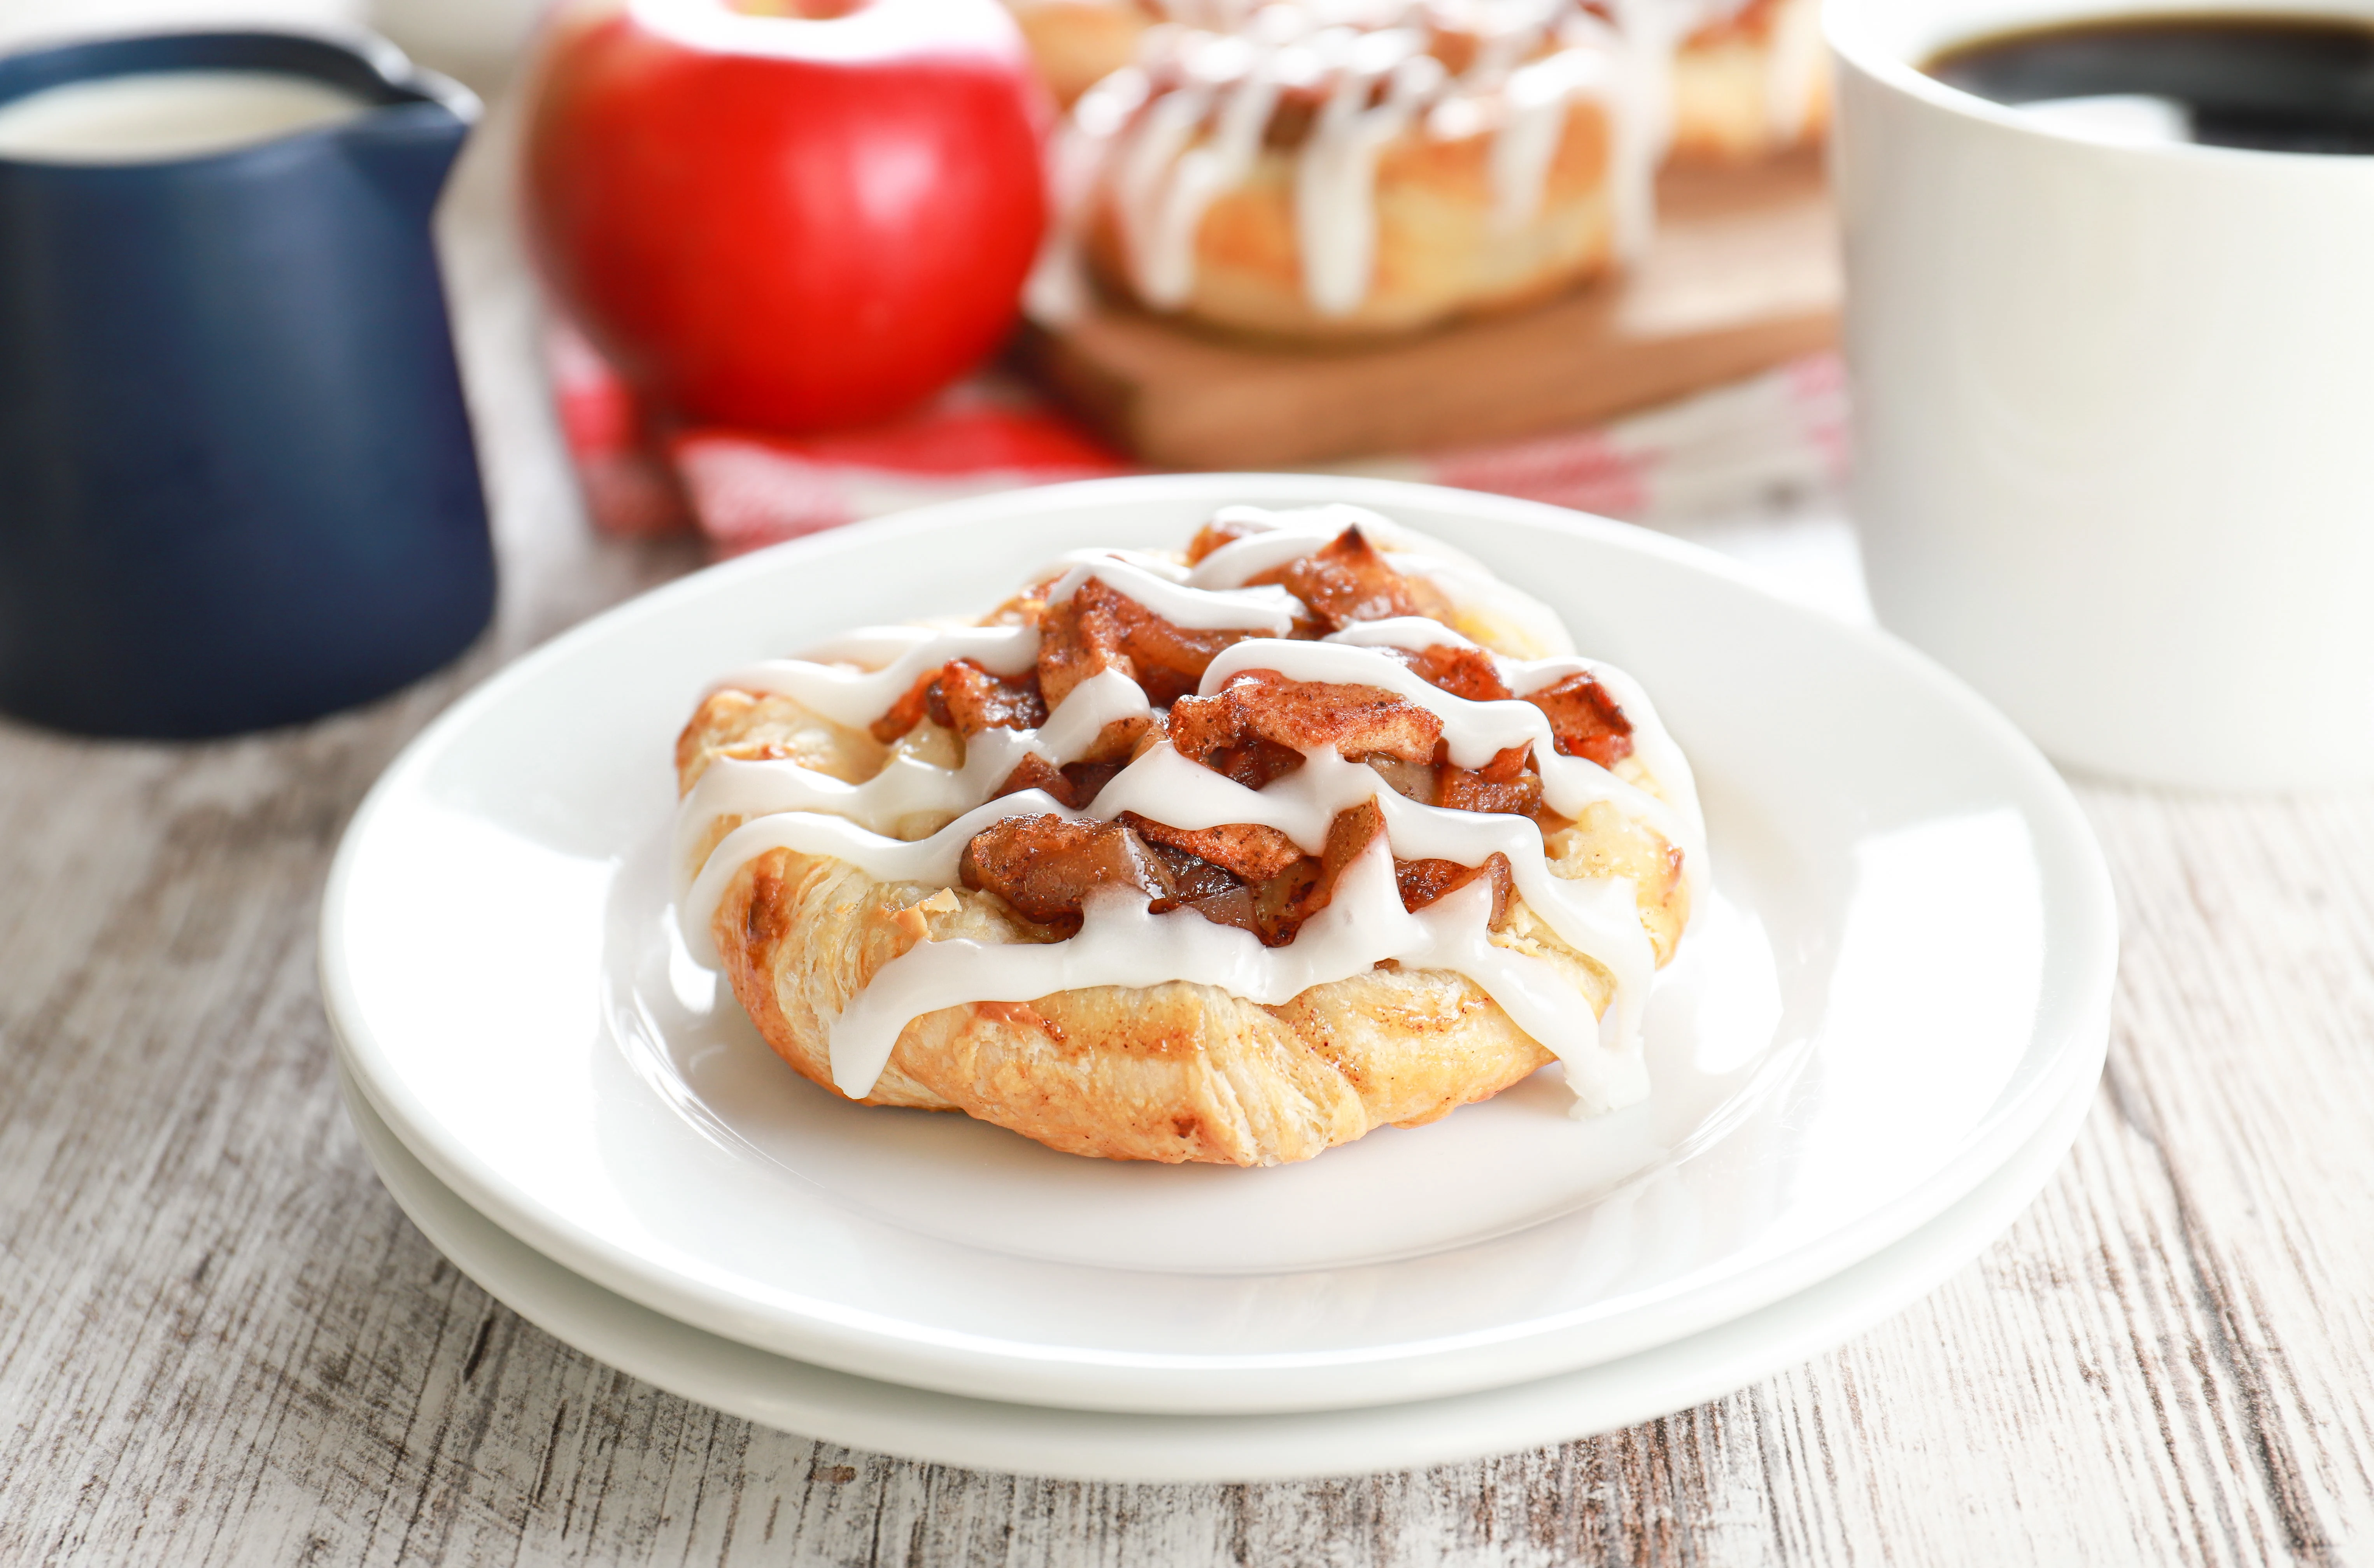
(406, 149)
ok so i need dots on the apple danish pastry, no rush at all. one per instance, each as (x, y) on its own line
(1230, 855)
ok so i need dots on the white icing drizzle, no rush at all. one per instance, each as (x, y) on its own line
(1166, 190)
(912, 822)
(1278, 537)
(908, 791)
(928, 860)
(1077, 154)
(1283, 536)
(1145, 167)
(1268, 609)
(1336, 175)
(1522, 153)
(1507, 34)
(1639, 103)
(856, 696)
(1411, 633)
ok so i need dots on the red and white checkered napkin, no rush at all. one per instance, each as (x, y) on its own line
(1719, 451)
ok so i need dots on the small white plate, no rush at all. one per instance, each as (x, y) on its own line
(1904, 968)
(793, 1397)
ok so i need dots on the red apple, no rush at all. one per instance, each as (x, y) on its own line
(788, 221)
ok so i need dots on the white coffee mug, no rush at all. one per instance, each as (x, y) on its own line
(2114, 410)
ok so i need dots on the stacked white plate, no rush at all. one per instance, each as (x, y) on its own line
(1875, 1044)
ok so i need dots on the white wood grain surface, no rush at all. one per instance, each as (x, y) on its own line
(220, 1342)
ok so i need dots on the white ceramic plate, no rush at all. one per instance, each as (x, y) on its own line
(1904, 968)
(1097, 1446)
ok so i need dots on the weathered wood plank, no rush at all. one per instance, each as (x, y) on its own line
(221, 1343)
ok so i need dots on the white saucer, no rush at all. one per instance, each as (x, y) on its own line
(1904, 967)
(1091, 1445)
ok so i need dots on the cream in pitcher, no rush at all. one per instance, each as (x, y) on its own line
(166, 114)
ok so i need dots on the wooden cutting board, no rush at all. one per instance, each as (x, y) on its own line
(1744, 275)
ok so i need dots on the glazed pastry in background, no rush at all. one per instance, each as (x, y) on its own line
(1314, 178)
(1751, 84)
(1229, 856)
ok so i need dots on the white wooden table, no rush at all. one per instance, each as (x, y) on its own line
(220, 1342)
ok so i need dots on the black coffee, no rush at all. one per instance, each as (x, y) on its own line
(2276, 83)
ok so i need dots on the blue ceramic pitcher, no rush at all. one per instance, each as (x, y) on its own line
(236, 482)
